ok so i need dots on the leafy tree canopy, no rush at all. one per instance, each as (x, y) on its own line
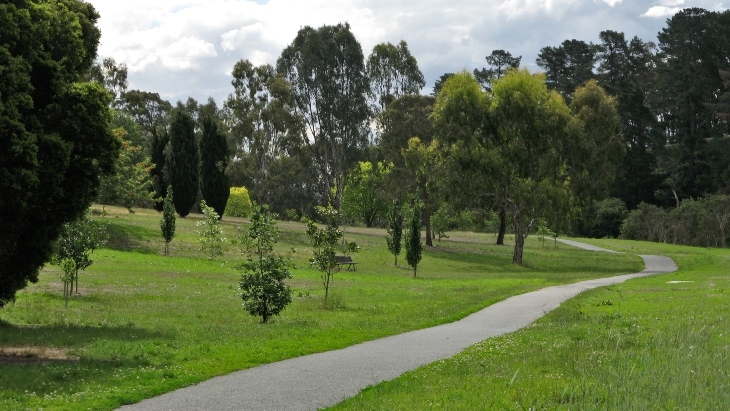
(56, 137)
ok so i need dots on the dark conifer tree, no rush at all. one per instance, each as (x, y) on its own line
(414, 247)
(157, 153)
(395, 229)
(182, 162)
(214, 183)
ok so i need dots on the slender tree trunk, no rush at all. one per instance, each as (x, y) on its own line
(502, 225)
(692, 143)
(414, 270)
(519, 240)
(427, 221)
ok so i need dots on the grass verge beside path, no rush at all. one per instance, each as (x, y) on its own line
(660, 342)
(146, 324)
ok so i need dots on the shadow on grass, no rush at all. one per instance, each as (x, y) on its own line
(123, 237)
(561, 262)
(72, 336)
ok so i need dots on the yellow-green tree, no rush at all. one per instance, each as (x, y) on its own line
(239, 203)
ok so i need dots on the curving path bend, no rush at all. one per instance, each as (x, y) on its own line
(321, 380)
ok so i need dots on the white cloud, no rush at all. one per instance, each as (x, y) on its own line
(183, 48)
(555, 8)
(671, 3)
(233, 39)
(184, 53)
(612, 3)
(661, 12)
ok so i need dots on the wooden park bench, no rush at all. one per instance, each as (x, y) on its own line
(341, 260)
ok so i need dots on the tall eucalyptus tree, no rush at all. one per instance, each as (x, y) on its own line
(326, 70)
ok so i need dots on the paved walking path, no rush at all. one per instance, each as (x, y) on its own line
(321, 380)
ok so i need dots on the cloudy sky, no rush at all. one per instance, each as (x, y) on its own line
(182, 48)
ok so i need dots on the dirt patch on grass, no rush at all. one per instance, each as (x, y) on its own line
(35, 355)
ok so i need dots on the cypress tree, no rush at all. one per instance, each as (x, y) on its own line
(182, 162)
(157, 150)
(395, 229)
(413, 238)
(167, 224)
(214, 184)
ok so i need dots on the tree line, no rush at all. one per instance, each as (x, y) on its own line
(325, 126)
(298, 131)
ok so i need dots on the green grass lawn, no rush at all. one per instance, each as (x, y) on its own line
(655, 343)
(145, 324)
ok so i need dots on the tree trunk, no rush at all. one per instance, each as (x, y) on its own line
(519, 240)
(427, 221)
(692, 143)
(414, 270)
(502, 225)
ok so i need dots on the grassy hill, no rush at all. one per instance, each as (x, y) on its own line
(145, 324)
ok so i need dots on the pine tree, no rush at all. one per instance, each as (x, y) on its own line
(182, 162)
(395, 229)
(167, 225)
(214, 184)
(413, 237)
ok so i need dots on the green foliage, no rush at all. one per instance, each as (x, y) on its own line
(181, 162)
(692, 51)
(543, 231)
(324, 244)
(239, 203)
(601, 219)
(158, 145)
(648, 222)
(111, 76)
(214, 184)
(568, 66)
(210, 232)
(263, 125)
(394, 229)
(704, 222)
(419, 161)
(625, 71)
(263, 290)
(326, 70)
(78, 240)
(68, 268)
(167, 224)
(536, 145)
(130, 183)
(56, 141)
(149, 111)
(363, 194)
(499, 62)
(441, 222)
(595, 149)
(414, 248)
(393, 72)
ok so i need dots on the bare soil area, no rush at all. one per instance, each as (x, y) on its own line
(34, 355)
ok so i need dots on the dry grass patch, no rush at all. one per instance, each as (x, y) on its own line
(34, 355)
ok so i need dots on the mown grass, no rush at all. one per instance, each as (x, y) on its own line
(655, 343)
(145, 324)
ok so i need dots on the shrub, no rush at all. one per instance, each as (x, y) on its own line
(262, 285)
(324, 244)
(239, 203)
